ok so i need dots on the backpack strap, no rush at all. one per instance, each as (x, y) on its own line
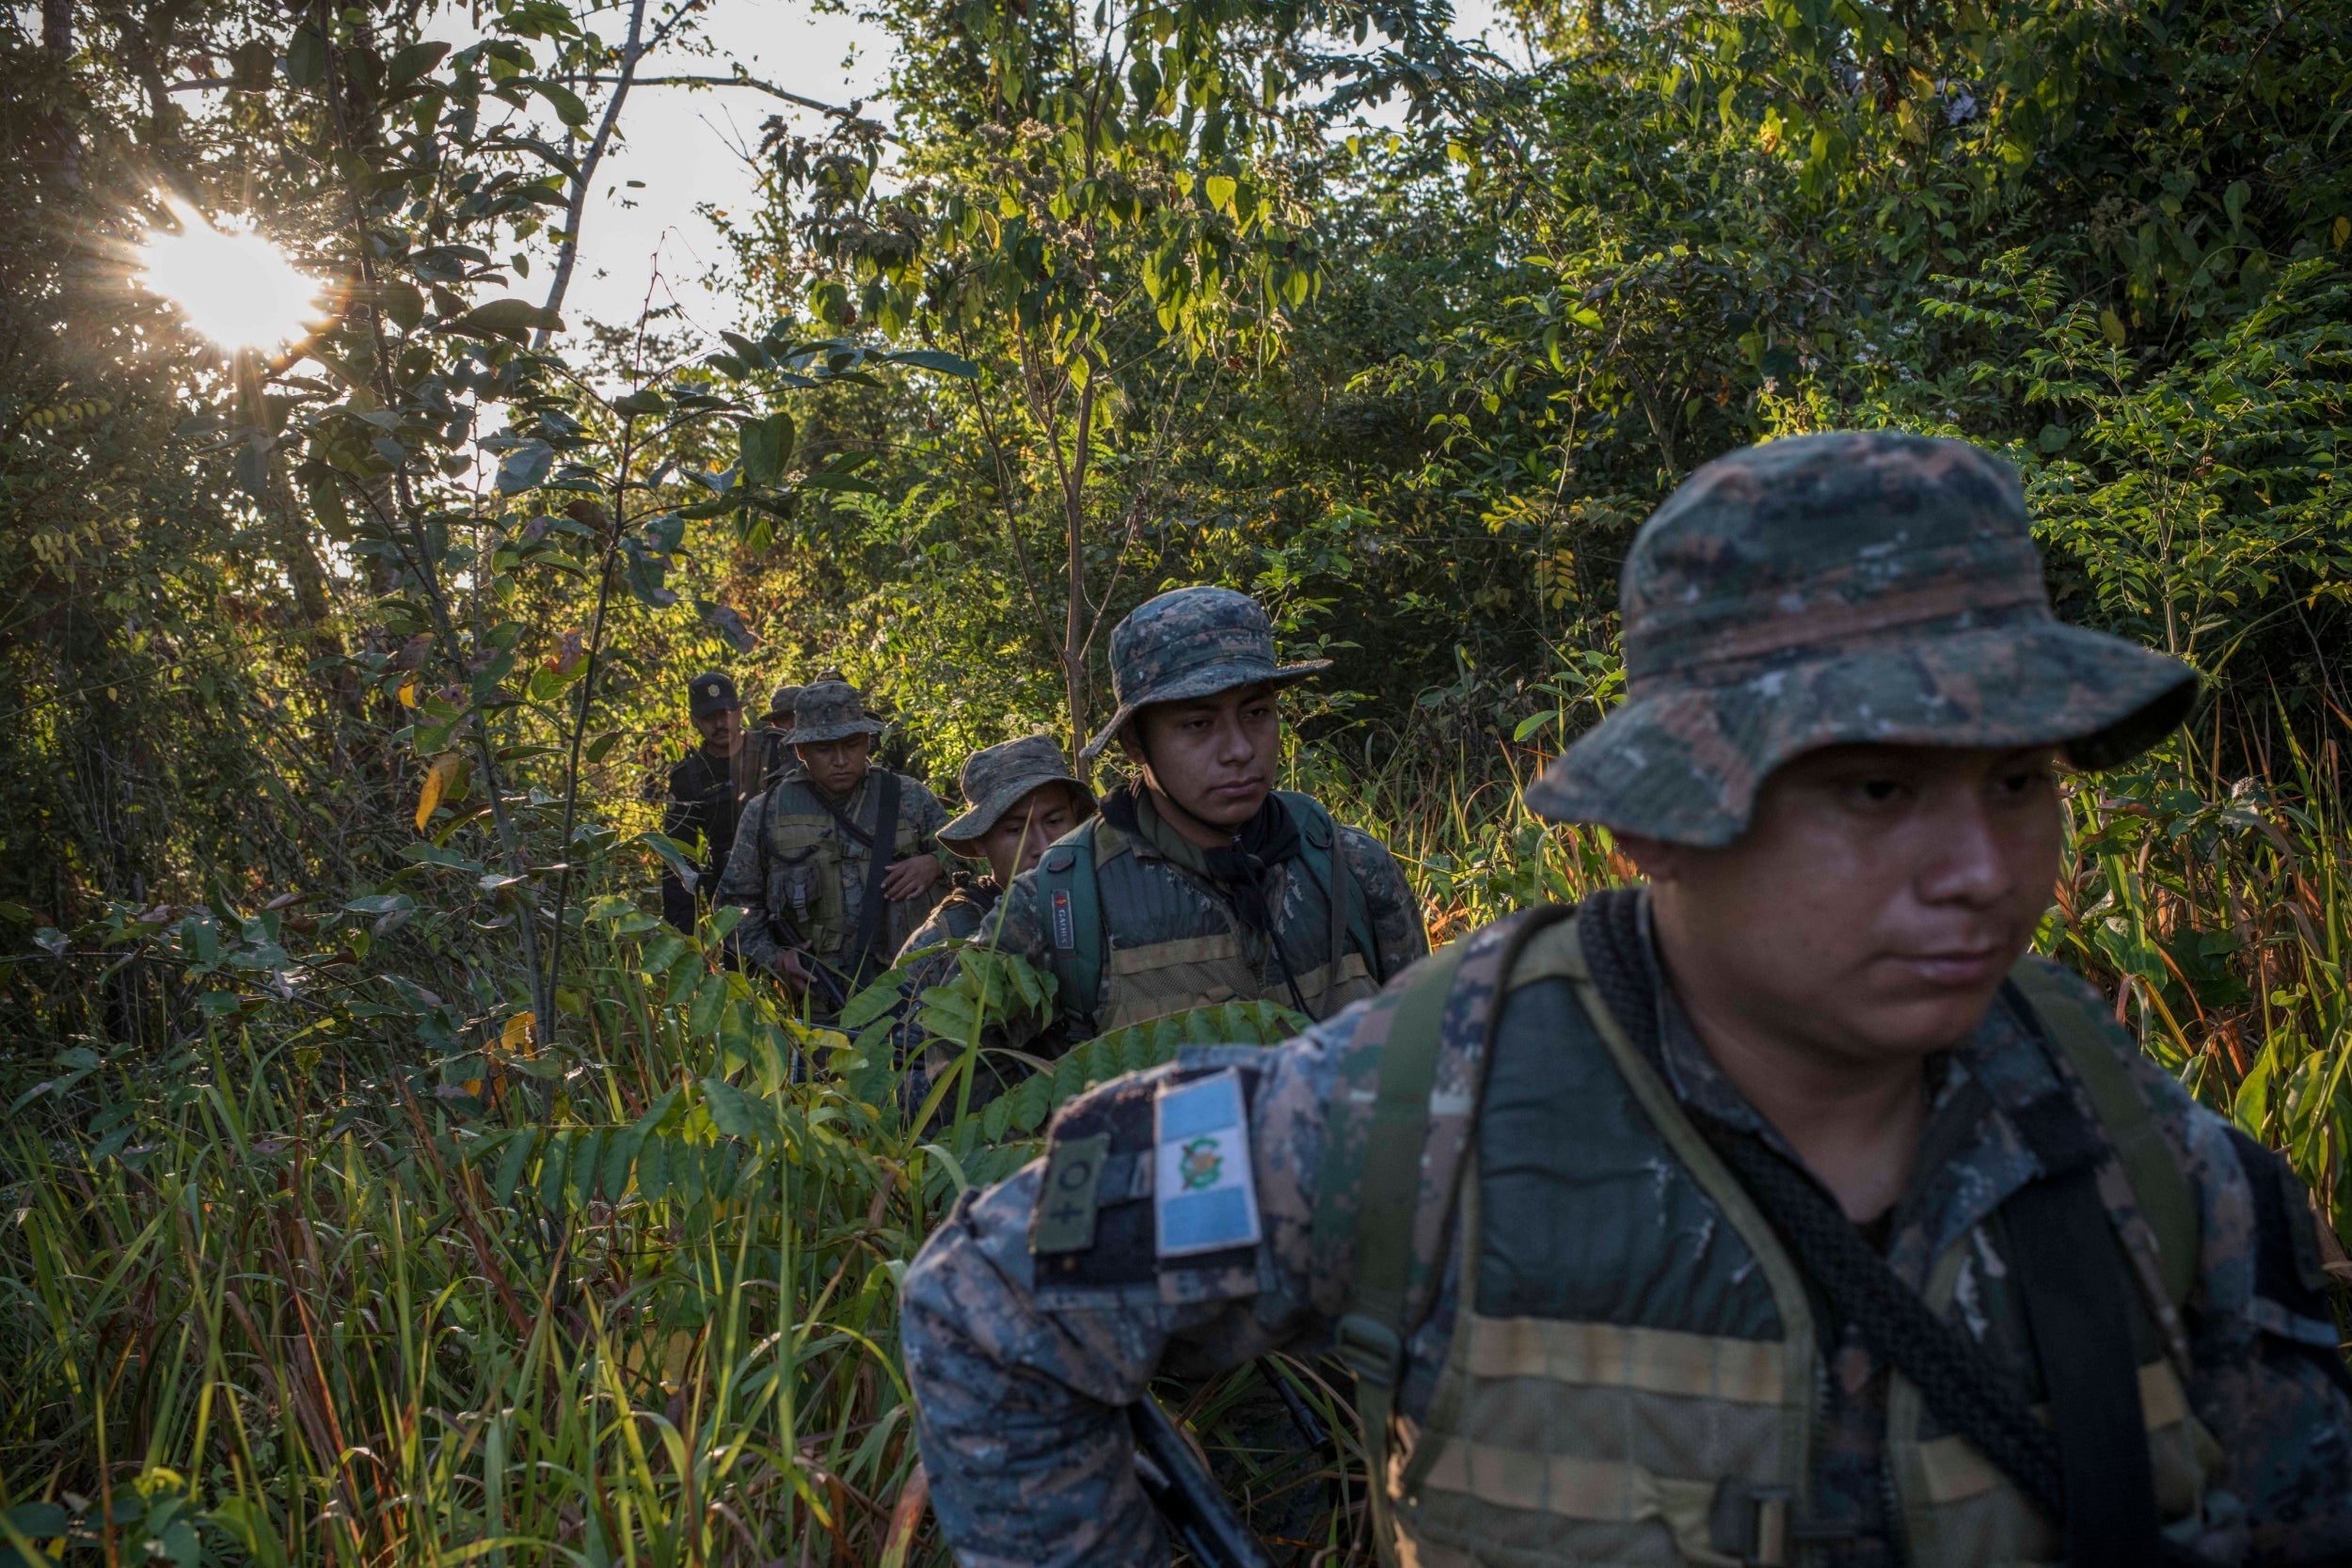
(1452, 999)
(1326, 862)
(2159, 1188)
(869, 914)
(1070, 901)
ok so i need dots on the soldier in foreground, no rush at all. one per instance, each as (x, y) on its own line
(704, 796)
(837, 862)
(1201, 882)
(1778, 1211)
(1021, 798)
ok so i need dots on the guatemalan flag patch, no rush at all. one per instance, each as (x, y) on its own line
(1202, 1192)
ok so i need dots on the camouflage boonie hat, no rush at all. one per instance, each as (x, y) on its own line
(781, 700)
(1192, 642)
(997, 779)
(829, 710)
(712, 692)
(1832, 590)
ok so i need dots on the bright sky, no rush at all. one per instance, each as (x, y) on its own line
(686, 145)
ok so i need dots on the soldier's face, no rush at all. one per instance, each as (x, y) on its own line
(1018, 839)
(1872, 906)
(720, 730)
(1214, 756)
(836, 766)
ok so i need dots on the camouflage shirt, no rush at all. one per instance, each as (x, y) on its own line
(1018, 1386)
(1184, 902)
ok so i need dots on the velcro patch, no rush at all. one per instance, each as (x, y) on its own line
(1064, 1221)
(1203, 1191)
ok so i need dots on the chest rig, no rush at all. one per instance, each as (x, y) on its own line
(1131, 938)
(812, 858)
(1633, 1368)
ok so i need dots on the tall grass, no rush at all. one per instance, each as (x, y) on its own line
(257, 1305)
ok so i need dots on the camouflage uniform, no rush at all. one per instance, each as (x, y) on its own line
(704, 798)
(1176, 930)
(1020, 1352)
(800, 875)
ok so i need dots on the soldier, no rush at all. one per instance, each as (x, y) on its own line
(820, 907)
(1752, 1215)
(1200, 883)
(1021, 798)
(705, 795)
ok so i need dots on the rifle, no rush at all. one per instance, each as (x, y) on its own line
(1180, 1486)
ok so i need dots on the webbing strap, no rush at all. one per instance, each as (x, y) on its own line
(2157, 1184)
(2077, 1308)
(886, 839)
(1370, 1338)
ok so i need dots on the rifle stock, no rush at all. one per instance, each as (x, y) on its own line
(1180, 1486)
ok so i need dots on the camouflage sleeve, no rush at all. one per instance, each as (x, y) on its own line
(1397, 929)
(1019, 1385)
(2268, 1377)
(744, 884)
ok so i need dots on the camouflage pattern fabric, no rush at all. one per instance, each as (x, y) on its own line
(829, 710)
(960, 917)
(1182, 903)
(1838, 589)
(1000, 776)
(1192, 642)
(755, 882)
(780, 704)
(1018, 1384)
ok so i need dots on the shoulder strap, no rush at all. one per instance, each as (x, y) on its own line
(2158, 1186)
(1326, 862)
(869, 914)
(1370, 1336)
(1070, 902)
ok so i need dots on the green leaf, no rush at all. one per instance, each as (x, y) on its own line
(766, 448)
(620, 1156)
(510, 318)
(653, 1168)
(412, 62)
(643, 401)
(511, 1164)
(564, 102)
(586, 1164)
(934, 360)
(1220, 189)
(551, 1170)
(305, 57)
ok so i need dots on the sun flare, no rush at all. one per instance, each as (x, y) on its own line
(234, 286)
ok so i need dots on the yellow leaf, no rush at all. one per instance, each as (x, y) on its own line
(2343, 231)
(408, 692)
(473, 1088)
(522, 1036)
(436, 779)
(2111, 326)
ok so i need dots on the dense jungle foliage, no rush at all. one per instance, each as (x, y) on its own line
(382, 1183)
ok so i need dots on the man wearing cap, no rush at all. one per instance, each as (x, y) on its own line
(837, 862)
(1021, 798)
(1779, 1210)
(705, 795)
(1201, 882)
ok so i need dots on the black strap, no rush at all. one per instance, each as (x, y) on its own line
(2071, 1278)
(869, 914)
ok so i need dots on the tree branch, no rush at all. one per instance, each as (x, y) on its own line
(740, 79)
(569, 255)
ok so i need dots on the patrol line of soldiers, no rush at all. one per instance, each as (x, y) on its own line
(1780, 1209)
(1198, 883)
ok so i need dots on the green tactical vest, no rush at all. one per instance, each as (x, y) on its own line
(1631, 1375)
(805, 856)
(1168, 948)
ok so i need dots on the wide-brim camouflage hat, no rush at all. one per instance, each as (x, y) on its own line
(1192, 642)
(1835, 590)
(780, 700)
(829, 710)
(1000, 778)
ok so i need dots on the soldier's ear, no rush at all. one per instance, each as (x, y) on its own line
(1657, 860)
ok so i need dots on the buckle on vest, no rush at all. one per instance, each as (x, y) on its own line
(1750, 1522)
(1369, 1349)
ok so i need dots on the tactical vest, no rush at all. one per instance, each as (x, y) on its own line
(1631, 1378)
(1094, 893)
(804, 855)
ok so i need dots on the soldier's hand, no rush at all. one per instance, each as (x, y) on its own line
(912, 878)
(786, 967)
